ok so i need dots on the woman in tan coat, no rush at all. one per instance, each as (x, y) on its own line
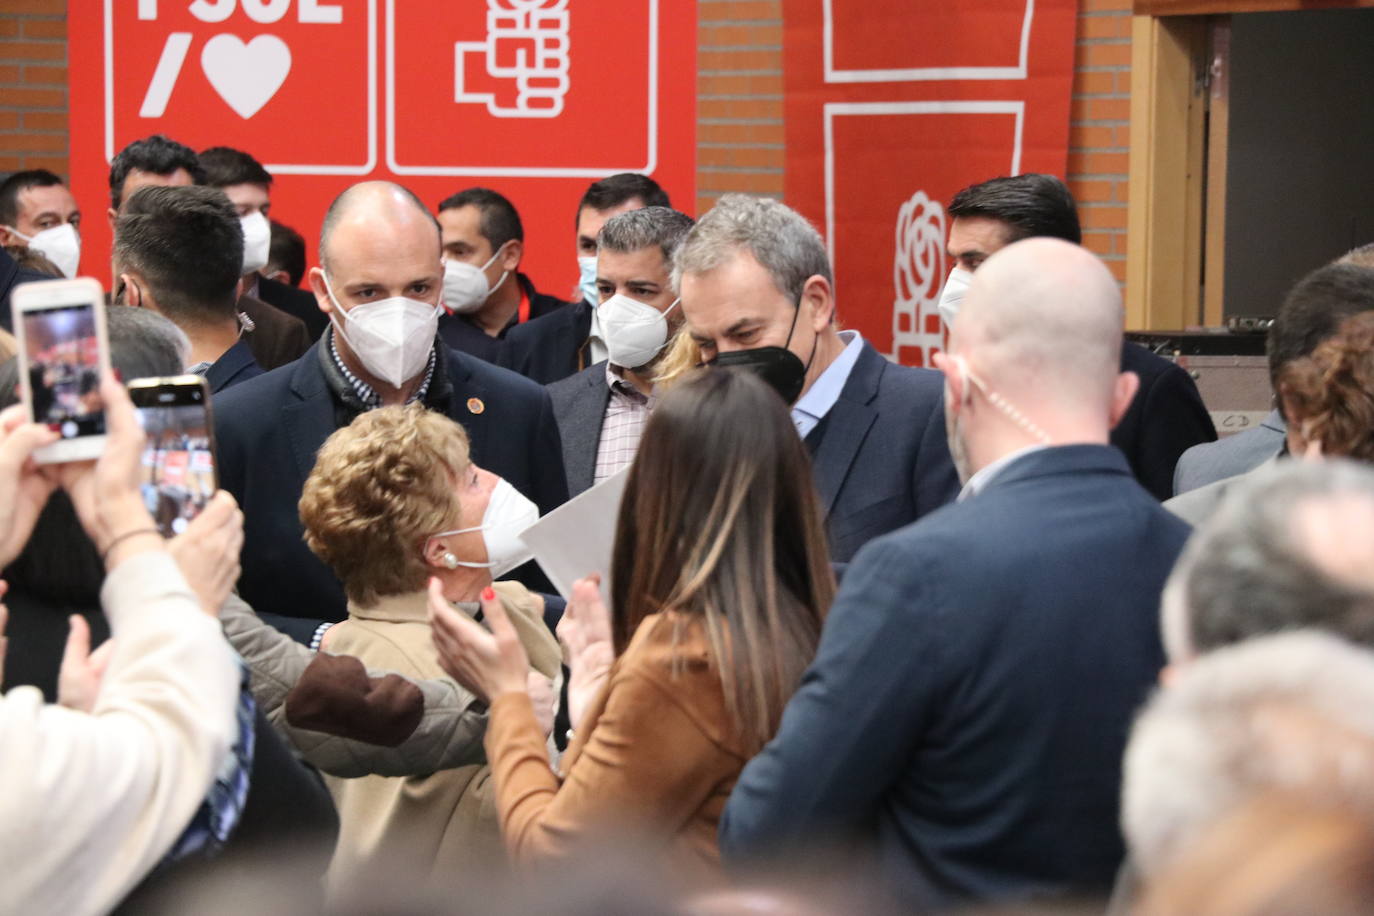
(392, 501)
(720, 582)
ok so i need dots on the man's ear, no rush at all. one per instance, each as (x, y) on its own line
(8, 237)
(820, 297)
(510, 258)
(953, 379)
(316, 277)
(111, 214)
(279, 276)
(1127, 384)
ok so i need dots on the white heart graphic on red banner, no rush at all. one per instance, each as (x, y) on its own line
(246, 75)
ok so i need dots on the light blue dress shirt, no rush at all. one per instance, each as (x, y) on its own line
(812, 407)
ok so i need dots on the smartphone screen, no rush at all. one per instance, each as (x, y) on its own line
(178, 456)
(63, 357)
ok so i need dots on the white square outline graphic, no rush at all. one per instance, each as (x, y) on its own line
(834, 109)
(501, 171)
(276, 168)
(921, 74)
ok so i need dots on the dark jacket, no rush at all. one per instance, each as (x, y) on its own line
(296, 302)
(975, 683)
(11, 275)
(233, 366)
(579, 406)
(463, 334)
(880, 455)
(268, 430)
(1166, 418)
(552, 347)
(276, 338)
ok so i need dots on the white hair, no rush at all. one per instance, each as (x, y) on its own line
(1293, 711)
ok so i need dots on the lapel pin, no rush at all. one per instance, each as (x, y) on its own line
(475, 405)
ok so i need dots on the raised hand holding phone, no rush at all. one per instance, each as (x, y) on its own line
(59, 326)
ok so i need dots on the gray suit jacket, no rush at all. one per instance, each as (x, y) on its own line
(1230, 456)
(1196, 506)
(579, 407)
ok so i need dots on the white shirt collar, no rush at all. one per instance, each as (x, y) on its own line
(812, 407)
(980, 480)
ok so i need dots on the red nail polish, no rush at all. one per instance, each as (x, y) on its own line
(488, 594)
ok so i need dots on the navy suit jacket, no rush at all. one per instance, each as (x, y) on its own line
(1166, 418)
(234, 365)
(268, 430)
(11, 275)
(975, 683)
(551, 347)
(880, 457)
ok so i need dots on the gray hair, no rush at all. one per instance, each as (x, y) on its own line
(1247, 571)
(1362, 256)
(636, 229)
(144, 343)
(778, 237)
(1292, 712)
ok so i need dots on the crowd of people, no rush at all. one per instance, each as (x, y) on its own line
(1015, 631)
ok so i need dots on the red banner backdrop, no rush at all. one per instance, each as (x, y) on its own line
(892, 106)
(535, 98)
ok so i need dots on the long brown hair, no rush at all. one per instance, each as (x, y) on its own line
(720, 518)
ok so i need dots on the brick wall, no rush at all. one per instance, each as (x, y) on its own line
(739, 113)
(33, 85)
(739, 98)
(1099, 126)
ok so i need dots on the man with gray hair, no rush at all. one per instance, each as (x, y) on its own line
(1291, 547)
(601, 411)
(757, 293)
(969, 701)
(1293, 711)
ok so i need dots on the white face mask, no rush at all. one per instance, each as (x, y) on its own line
(586, 278)
(257, 241)
(465, 285)
(509, 514)
(391, 337)
(60, 244)
(952, 296)
(634, 332)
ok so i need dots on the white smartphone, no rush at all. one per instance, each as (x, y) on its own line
(63, 351)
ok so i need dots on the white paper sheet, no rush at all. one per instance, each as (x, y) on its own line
(576, 539)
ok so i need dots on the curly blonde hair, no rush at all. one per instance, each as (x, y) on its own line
(379, 488)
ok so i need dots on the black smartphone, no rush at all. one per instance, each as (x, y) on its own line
(179, 455)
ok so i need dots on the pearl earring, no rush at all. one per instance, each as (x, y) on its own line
(450, 561)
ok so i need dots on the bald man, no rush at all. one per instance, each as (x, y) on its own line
(378, 284)
(968, 706)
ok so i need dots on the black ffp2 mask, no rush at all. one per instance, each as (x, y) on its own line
(778, 366)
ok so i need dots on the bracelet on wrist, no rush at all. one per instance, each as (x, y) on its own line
(117, 539)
